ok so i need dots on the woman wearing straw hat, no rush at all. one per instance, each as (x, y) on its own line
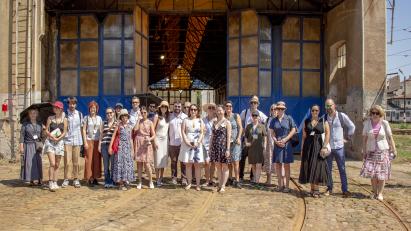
(56, 129)
(161, 141)
(282, 130)
(123, 165)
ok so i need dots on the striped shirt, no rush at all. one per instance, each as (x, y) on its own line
(75, 121)
(108, 132)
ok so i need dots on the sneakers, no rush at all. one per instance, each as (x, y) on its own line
(188, 187)
(56, 186)
(151, 185)
(76, 183)
(328, 192)
(184, 181)
(139, 185)
(51, 186)
(65, 183)
(174, 181)
(380, 197)
(159, 183)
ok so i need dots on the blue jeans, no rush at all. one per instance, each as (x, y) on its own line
(340, 159)
(107, 162)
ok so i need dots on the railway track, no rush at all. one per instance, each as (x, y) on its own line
(301, 213)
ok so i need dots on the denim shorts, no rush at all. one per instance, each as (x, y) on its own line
(235, 151)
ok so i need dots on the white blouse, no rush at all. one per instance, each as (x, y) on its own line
(381, 140)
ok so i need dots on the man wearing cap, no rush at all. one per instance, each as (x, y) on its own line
(175, 139)
(135, 114)
(246, 119)
(72, 143)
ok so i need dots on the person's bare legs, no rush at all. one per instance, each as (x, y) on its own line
(206, 172)
(52, 161)
(218, 169)
(56, 168)
(380, 186)
(140, 172)
(147, 166)
(197, 169)
(374, 184)
(287, 175)
(189, 174)
(236, 167)
(258, 168)
(278, 169)
(224, 176)
(212, 171)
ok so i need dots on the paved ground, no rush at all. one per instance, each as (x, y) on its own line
(173, 208)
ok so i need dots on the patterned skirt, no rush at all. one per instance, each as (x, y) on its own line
(377, 165)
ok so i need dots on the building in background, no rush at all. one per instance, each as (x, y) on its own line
(299, 51)
(398, 99)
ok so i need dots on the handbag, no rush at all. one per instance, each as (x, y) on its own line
(328, 146)
(39, 146)
(116, 142)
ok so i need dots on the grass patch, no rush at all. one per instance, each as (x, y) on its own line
(401, 125)
(403, 144)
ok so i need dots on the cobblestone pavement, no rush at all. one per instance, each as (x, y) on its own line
(173, 208)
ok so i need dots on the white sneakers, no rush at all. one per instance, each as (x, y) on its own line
(76, 183)
(151, 186)
(53, 186)
(65, 183)
(139, 185)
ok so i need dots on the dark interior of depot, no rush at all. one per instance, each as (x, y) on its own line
(183, 49)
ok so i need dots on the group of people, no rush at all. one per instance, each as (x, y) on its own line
(219, 143)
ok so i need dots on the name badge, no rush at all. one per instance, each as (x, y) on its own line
(312, 133)
(35, 137)
(255, 137)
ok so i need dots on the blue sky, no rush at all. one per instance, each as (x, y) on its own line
(399, 53)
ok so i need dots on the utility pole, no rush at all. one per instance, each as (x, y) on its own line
(405, 93)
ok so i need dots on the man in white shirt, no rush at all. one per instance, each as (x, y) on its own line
(246, 119)
(175, 139)
(135, 114)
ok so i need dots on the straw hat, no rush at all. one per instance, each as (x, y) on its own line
(124, 112)
(164, 103)
(205, 106)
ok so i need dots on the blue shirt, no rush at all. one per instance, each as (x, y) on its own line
(337, 131)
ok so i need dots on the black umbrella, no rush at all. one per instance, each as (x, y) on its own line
(147, 98)
(45, 110)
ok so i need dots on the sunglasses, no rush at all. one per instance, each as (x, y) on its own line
(230, 106)
(314, 110)
(254, 116)
(273, 109)
(375, 113)
(329, 105)
(152, 106)
(253, 102)
(193, 109)
(177, 106)
(281, 109)
(211, 108)
(135, 102)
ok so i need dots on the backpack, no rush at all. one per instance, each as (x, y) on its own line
(342, 122)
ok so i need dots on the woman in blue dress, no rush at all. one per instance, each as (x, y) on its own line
(282, 130)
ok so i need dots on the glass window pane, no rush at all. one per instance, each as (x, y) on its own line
(112, 26)
(265, 83)
(311, 55)
(249, 51)
(312, 28)
(265, 28)
(249, 22)
(234, 25)
(291, 28)
(265, 55)
(233, 51)
(291, 83)
(144, 23)
(137, 41)
(129, 82)
(128, 25)
(68, 83)
(88, 83)
(89, 54)
(145, 53)
(233, 82)
(129, 53)
(112, 52)
(68, 54)
(291, 55)
(112, 82)
(138, 79)
(249, 81)
(68, 27)
(88, 27)
(137, 16)
(311, 84)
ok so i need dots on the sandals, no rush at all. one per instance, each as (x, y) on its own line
(315, 194)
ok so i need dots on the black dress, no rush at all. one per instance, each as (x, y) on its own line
(313, 167)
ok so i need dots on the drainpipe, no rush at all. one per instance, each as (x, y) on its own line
(10, 85)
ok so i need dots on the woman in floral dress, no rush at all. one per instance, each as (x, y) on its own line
(123, 166)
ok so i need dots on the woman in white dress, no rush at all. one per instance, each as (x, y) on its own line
(161, 141)
(191, 152)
